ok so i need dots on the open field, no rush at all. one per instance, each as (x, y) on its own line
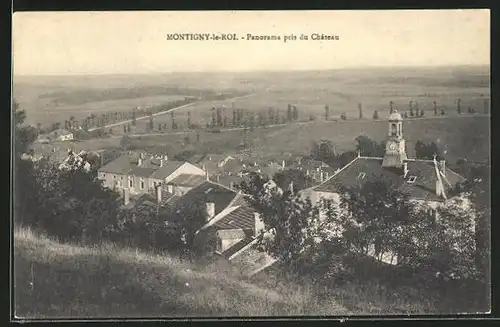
(461, 137)
(310, 91)
(103, 282)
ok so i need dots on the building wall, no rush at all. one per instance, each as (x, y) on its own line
(109, 179)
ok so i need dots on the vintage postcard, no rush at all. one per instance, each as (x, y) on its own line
(211, 164)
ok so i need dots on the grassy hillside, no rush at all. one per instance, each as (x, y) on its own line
(73, 281)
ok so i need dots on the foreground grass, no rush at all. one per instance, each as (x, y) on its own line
(54, 280)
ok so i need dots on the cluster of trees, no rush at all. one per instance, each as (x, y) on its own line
(73, 206)
(428, 151)
(325, 151)
(375, 217)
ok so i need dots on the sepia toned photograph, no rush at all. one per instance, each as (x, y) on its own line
(216, 164)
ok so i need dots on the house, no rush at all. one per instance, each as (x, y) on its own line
(42, 139)
(233, 234)
(141, 174)
(61, 135)
(219, 164)
(75, 160)
(427, 183)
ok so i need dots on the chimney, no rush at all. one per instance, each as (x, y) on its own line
(158, 194)
(283, 164)
(442, 166)
(165, 157)
(218, 178)
(321, 176)
(210, 210)
(258, 224)
(231, 184)
(291, 187)
(405, 169)
(439, 188)
(139, 161)
(126, 196)
(161, 162)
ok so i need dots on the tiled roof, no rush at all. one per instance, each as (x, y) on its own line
(141, 171)
(121, 165)
(188, 180)
(364, 169)
(238, 246)
(240, 218)
(208, 192)
(127, 164)
(226, 180)
(168, 168)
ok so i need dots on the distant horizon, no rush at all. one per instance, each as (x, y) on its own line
(261, 71)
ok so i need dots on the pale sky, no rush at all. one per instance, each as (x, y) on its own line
(136, 42)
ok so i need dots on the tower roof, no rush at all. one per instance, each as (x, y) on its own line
(395, 116)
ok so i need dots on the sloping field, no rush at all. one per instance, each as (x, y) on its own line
(64, 281)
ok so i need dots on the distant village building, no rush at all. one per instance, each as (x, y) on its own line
(61, 135)
(427, 182)
(141, 173)
(75, 161)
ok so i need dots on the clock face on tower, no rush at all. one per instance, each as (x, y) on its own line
(392, 146)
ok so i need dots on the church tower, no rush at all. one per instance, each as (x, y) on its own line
(395, 152)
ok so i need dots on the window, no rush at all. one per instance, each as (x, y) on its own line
(114, 176)
(394, 130)
(130, 183)
(103, 175)
(412, 179)
(142, 184)
(361, 175)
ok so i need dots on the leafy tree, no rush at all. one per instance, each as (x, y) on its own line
(24, 135)
(172, 116)
(295, 113)
(323, 151)
(368, 147)
(213, 123)
(459, 109)
(411, 109)
(289, 219)
(427, 151)
(442, 112)
(371, 215)
(360, 109)
(289, 113)
(327, 112)
(296, 177)
(343, 116)
(191, 217)
(435, 108)
(375, 115)
(422, 113)
(134, 116)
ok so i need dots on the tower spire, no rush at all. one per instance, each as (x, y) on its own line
(395, 151)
